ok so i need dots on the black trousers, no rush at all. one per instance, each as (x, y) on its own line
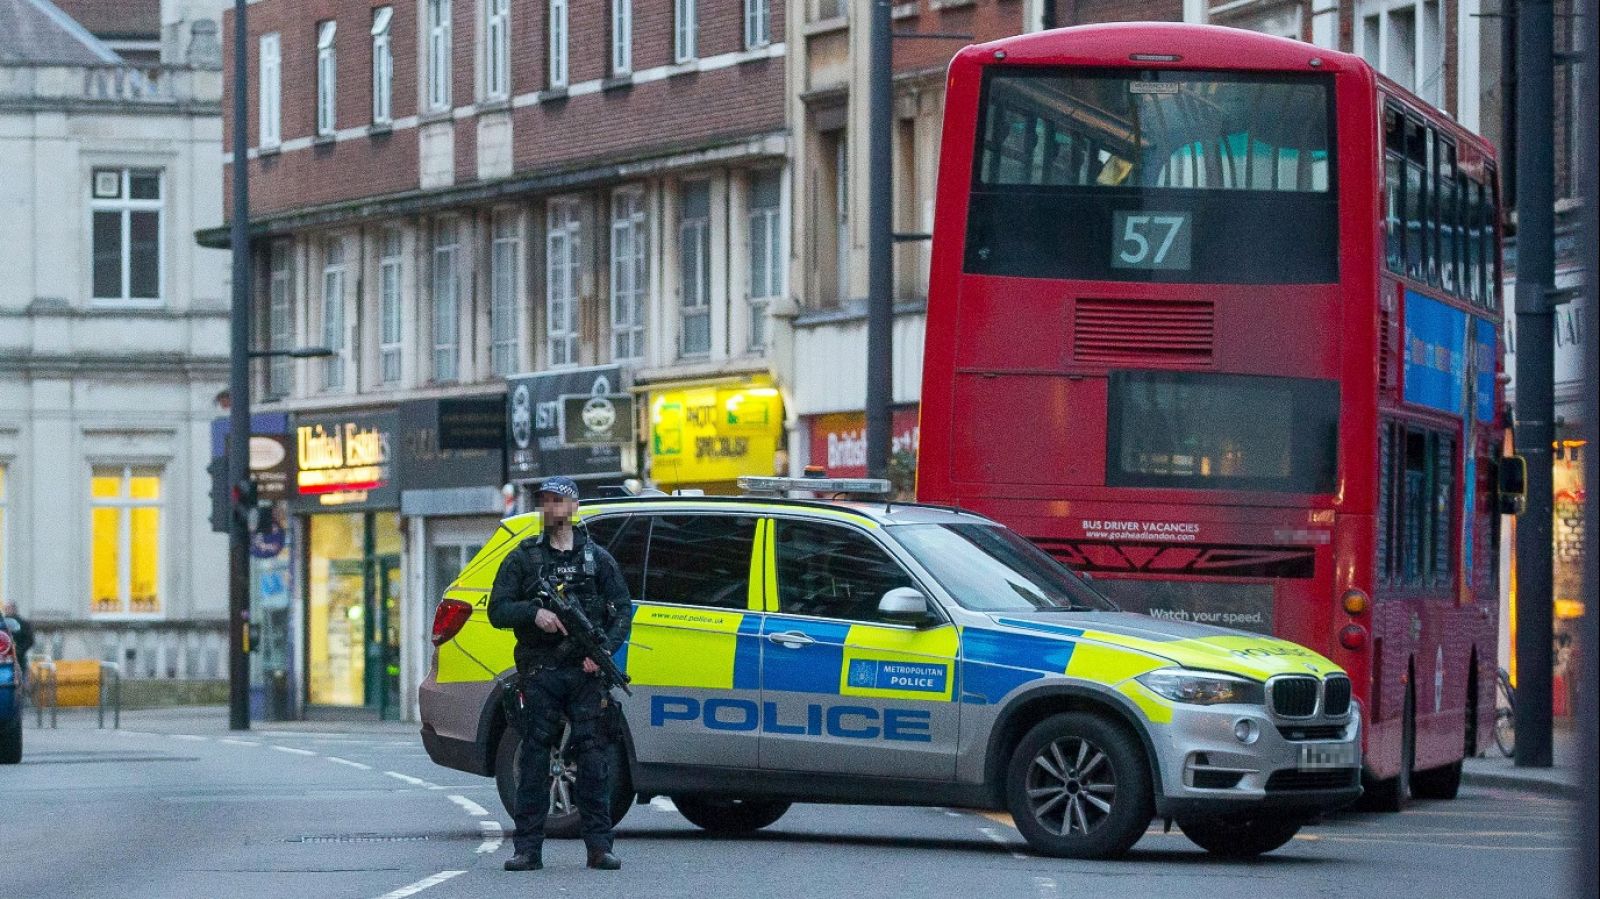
(549, 694)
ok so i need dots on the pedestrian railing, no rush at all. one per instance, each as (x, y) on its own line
(75, 682)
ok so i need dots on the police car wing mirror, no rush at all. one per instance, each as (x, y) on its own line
(903, 602)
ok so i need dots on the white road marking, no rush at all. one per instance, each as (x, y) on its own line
(292, 751)
(339, 761)
(663, 804)
(952, 814)
(1045, 886)
(472, 808)
(493, 836)
(188, 737)
(421, 885)
(233, 742)
(414, 781)
(994, 835)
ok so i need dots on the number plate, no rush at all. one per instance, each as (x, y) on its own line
(1321, 756)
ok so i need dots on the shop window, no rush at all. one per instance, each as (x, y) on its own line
(125, 540)
(832, 572)
(700, 560)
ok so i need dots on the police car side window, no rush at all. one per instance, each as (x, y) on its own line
(625, 537)
(833, 572)
(700, 560)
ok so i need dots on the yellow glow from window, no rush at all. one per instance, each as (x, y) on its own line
(105, 560)
(144, 487)
(144, 545)
(103, 486)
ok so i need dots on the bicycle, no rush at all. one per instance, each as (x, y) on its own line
(1505, 713)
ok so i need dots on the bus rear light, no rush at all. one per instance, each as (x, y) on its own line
(448, 620)
(1354, 602)
(1353, 637)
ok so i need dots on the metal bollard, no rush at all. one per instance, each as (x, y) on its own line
(43, 692)
(115, 671)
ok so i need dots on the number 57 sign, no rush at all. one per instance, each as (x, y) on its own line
(1150, 240)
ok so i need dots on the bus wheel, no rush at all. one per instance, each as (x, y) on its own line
(1240, 837)
(1079, 786)
(1391, 795)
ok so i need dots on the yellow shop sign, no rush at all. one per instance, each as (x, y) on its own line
(705, 434)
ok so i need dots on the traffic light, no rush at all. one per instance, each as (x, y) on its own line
(218, 470)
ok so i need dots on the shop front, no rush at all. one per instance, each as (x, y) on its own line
(451, 470)
(347, 511)
(838, 442)
(577, 422)
(704, 436)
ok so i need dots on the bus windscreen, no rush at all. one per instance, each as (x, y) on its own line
(1164, 176)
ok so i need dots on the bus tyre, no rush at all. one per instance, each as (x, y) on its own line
(1079, 786)
(1437, 783)
(11, 742)
(729, 816)
(563, 822)
(1392, 795)
(1240, 837)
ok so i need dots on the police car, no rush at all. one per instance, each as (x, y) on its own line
(801, 650)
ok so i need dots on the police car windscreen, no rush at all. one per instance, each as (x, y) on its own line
(988, 568)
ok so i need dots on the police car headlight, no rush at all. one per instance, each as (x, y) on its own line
(1203, 688)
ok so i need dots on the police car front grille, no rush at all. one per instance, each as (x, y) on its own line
(1290, 781)
(1295, 697)
(1336, 696)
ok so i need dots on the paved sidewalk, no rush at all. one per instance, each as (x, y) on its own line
(214, 719)
(1561, 779)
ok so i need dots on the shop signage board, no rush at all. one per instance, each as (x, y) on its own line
(706, 435)
(439, 444)
(534, 445)
(596, 419)
(345, 462)
(839, 440)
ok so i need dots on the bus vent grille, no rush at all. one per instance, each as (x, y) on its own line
(1386, 351)
(1117, 332)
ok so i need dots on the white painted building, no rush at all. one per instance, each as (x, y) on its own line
(113, 345)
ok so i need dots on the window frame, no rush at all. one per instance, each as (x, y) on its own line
(327, 78)
(630, 263)
(335, 314)
(269, 91)
(382, 66)
(770, 221)
(445, 245)
(695, 298)
(438, 55)
(563, 269)
(505, 248)
(124, 503)
(126, 206)
(558, 27)
(497, 50)
(757, 24)
(685, 31)
(1438, 547)
(391, 299)
(280, 311)
(621, 38)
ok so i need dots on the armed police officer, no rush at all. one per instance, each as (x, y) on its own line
(554, 678)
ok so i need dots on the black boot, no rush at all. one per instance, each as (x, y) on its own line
(604, 860)
(525, 861)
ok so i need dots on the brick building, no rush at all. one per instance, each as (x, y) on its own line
(448, 194)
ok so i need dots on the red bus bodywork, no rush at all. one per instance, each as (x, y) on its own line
(1014, 418)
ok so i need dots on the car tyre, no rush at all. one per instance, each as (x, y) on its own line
(1392, 795)
(563, 822)
(729, 816)
(11, 742)
(1079, 786)
(1240, 837)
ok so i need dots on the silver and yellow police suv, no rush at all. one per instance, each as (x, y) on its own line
(793, 650)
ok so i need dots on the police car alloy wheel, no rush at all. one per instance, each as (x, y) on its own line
(1079, 786)
(1240, 838)
(729, 816)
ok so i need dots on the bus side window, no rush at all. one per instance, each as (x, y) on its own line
(1449, 235)
(1394, 164)
(1491, 229)
(1415, 200)
(1430, 212)
(1470, 234)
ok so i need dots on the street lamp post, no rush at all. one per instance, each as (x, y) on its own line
(239, 394)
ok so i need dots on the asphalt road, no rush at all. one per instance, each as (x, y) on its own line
(198, 812)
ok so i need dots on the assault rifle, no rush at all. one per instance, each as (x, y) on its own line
(588, 639)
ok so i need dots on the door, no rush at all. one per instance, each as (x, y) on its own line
(846, 690)
(694, 653)
(383, 640)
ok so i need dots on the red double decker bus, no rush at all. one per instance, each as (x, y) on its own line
(1215, 318)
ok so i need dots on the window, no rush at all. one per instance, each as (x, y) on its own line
(126, 205)
(766, 264)
(1445, 189)
(497, 50)
(1416, 502)
(621, 37)
(504, 267)
(1403, 39)
(270, 91)
(333, 326)
(439, 54)
(832, 572)
(757, 23)
(327, 79)
(390, 270)
(561, 283)
(685, 30)
(625, 537)
(700, 560)
(988, 568)
(557, 26)
(382, 67)
(1240, 167)
(446, 325)
(694, 267)
(1394, 180)
(630, 262)
(125, 540)
(1221, 432)
(1415, 200)
(280, 319)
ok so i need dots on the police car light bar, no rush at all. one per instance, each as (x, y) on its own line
(773, 486)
